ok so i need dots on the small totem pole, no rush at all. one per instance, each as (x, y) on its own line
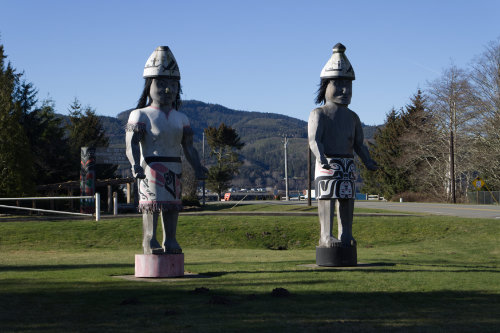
(87, 179)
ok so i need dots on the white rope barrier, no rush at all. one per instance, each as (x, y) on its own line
(47, 198)
(46, 210)
(97, 198)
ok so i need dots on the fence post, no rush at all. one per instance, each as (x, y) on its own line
(129, 193)
(110, 199)
(97, 197)
(115, 203)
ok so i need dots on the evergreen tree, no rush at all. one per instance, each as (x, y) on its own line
(85, 130)
(49, 144)
(223, 142)
(16, 165)
(26, 97)
(391, 178)
(415, 115)
(46, 136)
(419, 132)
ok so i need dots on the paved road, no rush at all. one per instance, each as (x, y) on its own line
(473, 211)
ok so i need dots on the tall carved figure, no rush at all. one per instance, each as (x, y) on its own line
(155, 133)
(334, 135)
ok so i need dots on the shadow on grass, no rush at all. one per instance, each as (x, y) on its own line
(364, 268)
(440, 263)
(300, 268)
(144, 307)
(38, 268)
(338, 270)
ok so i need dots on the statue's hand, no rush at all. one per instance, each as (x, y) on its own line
(324, 164)
(372, 165)
(201, 173)
(138, 172)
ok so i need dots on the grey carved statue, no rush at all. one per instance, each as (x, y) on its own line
(155, 133)
(334, 135)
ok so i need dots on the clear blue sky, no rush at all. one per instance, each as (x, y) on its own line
(246, 55)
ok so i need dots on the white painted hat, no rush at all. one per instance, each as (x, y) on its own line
(162, 63)
(338, 67)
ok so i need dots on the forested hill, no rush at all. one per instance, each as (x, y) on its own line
(250, 125)
(262, 134)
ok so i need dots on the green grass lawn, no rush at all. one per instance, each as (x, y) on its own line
(418, 274)
(278, 206)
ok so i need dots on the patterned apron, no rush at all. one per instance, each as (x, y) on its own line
(337, 182)
(161, 189)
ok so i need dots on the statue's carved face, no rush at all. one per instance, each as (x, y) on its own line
(164, 90)
(339, 91)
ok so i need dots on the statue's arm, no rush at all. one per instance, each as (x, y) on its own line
(315, 133)
(135, 131)
(191, 154)
(360, 148)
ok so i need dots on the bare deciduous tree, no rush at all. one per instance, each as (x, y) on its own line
(189, 182)
(485, 78)
(452, 110)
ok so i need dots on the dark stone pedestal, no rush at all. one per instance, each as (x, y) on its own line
(159, 265)
(336, 256)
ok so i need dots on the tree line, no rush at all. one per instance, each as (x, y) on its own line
(432, 148)
(36, 145)
(447, 135)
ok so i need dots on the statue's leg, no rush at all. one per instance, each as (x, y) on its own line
(345, 211)
(169, 220)
(326, 211)
(149, 242)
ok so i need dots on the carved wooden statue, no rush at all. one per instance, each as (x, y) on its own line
(156, 133)
(334, 135)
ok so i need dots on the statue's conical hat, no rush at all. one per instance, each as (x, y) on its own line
(162, 63)
(338, 67)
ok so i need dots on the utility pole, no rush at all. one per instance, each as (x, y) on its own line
(286, 171)
(203, 157)
(308, 175)
(452, 152)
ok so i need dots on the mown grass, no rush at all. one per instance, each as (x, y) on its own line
(278, 206)
(418, 274)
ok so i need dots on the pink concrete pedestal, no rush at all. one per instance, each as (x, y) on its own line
(159, 265)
